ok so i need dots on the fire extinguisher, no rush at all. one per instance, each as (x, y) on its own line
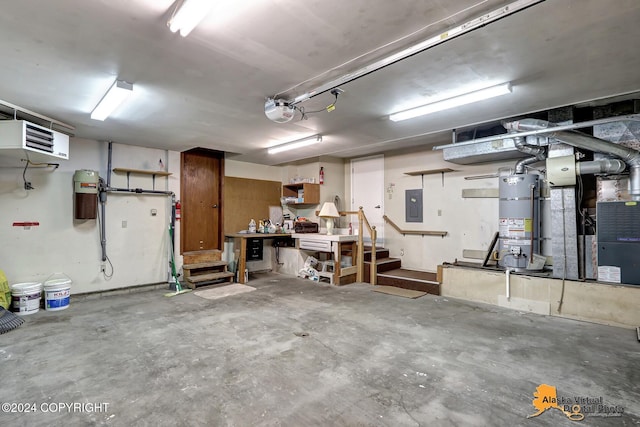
(321, 175)
(178, 208)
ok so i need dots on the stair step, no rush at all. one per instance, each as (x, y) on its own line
(380, 253)
(419, 276)
(410, 279)
(210, 277)
(204, 265)
(385, 264)
(196, 257)
(382, 265)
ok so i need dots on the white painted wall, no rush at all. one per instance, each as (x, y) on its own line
(139, 252)
(470, 223)
(252, 170)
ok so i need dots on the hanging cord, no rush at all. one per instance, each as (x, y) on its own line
(27, 184)
(336, 201)
(564, 254)
(329, 108)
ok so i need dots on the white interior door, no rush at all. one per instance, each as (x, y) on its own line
(367, 190)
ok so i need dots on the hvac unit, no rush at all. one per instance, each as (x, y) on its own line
(19, 138)
(618, 231)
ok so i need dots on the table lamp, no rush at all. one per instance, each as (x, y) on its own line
(329, 211)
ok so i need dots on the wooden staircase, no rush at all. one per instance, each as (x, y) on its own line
(204, 268)
(390, 273)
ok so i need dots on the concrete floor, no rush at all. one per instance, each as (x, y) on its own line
(369, 360)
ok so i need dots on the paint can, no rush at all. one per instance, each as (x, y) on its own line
(57, 293)
(25, 297)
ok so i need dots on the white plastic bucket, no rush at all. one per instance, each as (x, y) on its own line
(56, 294)
(25, 297)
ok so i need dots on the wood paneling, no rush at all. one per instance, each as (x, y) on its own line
(245, 199)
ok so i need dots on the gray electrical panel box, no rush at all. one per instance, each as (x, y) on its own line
(413, 205)
(618, 231)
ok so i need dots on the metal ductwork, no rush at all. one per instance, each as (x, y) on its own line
(586, 142)
(538, 154)
(602, 166)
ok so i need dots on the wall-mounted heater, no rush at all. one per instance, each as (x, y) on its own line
(20, 138)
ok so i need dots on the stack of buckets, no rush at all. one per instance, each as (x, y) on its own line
(25, 297)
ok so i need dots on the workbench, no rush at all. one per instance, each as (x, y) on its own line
(242, 258)
(335, 244)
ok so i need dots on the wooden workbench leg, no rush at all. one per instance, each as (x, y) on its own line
(337, 254)
(242, 262)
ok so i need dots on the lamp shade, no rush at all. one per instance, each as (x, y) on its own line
(329, 210)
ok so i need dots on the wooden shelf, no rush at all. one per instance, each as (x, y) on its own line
(311, 194)
(429, 172)
(141, 172)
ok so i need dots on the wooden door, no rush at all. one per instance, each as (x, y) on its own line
(201, 199)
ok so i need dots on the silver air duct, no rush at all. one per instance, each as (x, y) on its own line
(630, 156)
(538, 154)
(602, 166)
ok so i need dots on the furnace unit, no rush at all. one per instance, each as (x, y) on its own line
(618, 231)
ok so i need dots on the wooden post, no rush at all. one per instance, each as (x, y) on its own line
(374, 269)
(360, 274)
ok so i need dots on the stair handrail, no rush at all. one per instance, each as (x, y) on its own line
(414, 232)
(363, 221)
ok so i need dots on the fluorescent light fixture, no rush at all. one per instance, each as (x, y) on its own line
(189, 14)
(456, 101)
(117, 93)
(295, 144)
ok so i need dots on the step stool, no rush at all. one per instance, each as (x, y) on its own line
(326, 270)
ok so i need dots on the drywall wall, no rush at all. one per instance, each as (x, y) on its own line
(470, 223)
(252, 170)
(137, 241)
(334, 177)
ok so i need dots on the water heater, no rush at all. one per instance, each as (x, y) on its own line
(519, 211)
(85, 183)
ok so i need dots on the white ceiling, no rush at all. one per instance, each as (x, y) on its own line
(208, 90)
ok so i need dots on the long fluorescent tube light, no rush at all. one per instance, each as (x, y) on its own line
(295, 144)
(117, 93)
(456, 101)
(190, 13)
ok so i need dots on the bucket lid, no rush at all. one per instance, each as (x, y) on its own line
(57, 279)
(57, 283)
(26, 287)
